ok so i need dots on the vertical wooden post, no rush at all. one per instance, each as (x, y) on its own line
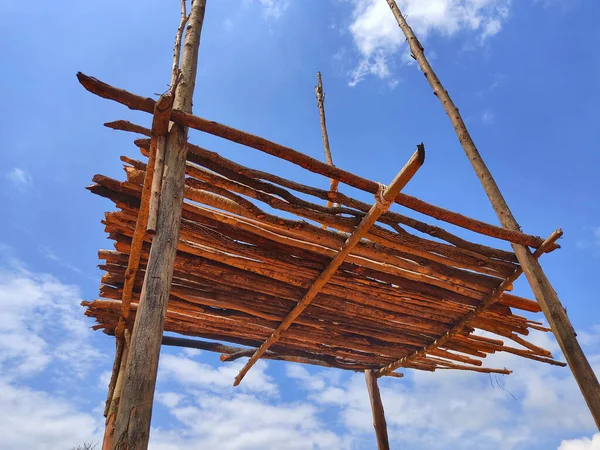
(540, 285)
(132, 426)
(333, 186)
(113, 407)
(377, 409)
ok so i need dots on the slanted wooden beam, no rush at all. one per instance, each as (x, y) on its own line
(377, 408)
(132, 426)
(382, 204)
(540, 285)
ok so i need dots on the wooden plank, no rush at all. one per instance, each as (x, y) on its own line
(382, 204)
(540, 285)
(377, 408)
(132, 427)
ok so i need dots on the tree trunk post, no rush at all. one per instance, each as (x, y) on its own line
(540, 285)
(113, 407)
(132, 425)
(377, 408)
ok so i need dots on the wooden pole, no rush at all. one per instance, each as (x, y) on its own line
(132, 426)
(377, 408)
(161, 127)
(333, 186)
(113, 407)
(382, 204)
(540, 285)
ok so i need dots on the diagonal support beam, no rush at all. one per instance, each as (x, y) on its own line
(382, 204)
(540, 285)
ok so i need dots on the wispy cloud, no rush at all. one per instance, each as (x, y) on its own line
(44, 334)
(488, 117)
(48, 253)
(20, 179)
(590, 239)
(377, 36)
(274, 9)
(228, 25)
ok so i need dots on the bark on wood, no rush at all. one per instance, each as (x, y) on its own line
(546, 296)
(377, 409)
(135, 411)
(382, 204)
(147, 104)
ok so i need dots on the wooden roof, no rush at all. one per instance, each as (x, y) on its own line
(399, 300)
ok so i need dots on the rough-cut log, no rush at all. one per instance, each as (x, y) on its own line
(544, 293)
(132, 428)
(377, 410)
(147, 104)
(382, 203)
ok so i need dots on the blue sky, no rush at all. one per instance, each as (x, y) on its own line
(523, 74)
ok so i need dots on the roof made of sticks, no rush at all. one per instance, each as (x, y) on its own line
(252, 243)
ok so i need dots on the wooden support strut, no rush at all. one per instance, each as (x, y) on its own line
(132, 426)
(377, 409)
(382, 204)
(540, 285)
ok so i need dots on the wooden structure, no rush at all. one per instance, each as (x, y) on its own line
(208, 248)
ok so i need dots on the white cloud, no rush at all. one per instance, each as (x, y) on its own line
(488, 117)
(36, 420)
(48, 253)
(274, 9)
(211, 413)
(193, 373)
(581, 444)
(44, 335)
(377, 36)
(228, 24)
(20, 179)
(452, 409)
(37, 308)
(590, 240)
